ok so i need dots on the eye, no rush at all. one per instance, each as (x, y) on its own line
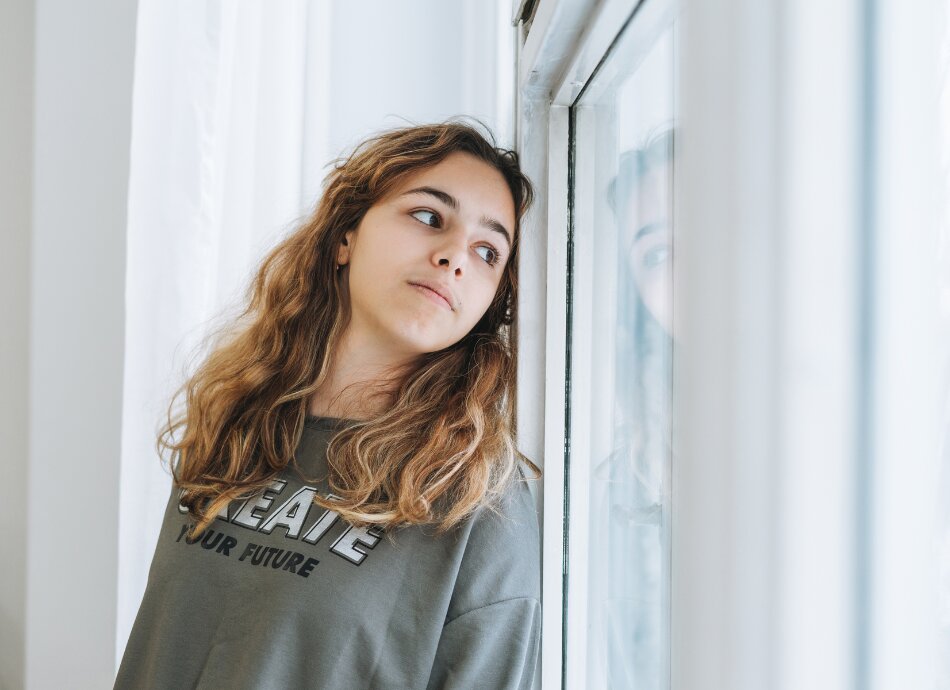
(493, 256)
(427, 217)
(656, 256)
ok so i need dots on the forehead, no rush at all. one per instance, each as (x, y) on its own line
(475, 183)
(651, 188)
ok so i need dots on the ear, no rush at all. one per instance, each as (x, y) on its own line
(343, 249)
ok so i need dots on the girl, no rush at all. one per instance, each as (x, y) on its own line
(348, 507)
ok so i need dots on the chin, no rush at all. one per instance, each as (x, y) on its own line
(419, 339)
(415, 345)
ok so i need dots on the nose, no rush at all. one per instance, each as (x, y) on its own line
(452, 252)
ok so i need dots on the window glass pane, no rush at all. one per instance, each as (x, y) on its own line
(622, 336)
(942, 547)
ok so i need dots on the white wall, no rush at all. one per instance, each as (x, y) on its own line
(16, 172)
(429, 60)
(83, 81)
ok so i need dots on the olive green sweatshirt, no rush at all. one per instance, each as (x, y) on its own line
(280, 593)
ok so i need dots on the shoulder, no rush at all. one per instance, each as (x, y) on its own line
(502, 558)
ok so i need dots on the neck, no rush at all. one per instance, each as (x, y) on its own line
(361, 382)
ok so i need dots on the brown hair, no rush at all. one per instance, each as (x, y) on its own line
(247, 402)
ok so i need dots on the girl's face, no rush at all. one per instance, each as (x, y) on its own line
(448, 227)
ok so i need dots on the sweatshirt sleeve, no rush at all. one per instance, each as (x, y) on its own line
(494, 646)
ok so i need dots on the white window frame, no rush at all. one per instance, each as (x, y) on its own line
(559, 54)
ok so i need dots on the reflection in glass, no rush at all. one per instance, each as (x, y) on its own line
(635, 473)
(629, 137)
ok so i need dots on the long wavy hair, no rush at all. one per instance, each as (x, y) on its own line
(444, 446)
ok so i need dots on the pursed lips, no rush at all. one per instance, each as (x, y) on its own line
(442, 297)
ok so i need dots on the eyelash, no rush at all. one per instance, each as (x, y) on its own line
(496, 255)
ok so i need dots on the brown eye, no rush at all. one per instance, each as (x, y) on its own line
(492, 257)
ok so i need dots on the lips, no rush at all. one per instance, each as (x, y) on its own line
(439, 290)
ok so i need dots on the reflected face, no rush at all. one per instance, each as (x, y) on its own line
(649, 240)
(425, 262)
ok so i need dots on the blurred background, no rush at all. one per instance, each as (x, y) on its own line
(734, 313)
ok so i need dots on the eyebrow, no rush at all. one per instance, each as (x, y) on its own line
(453, 203)
(648, 229)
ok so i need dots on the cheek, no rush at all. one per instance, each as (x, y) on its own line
(372, 260)
(488, 297)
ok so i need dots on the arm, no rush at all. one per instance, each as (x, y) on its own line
(494, 646)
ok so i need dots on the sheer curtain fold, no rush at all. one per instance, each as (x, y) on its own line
(215, 178)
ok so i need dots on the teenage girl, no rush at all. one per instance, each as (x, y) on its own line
(349, 508)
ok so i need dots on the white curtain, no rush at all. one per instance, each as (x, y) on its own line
(237, 109)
